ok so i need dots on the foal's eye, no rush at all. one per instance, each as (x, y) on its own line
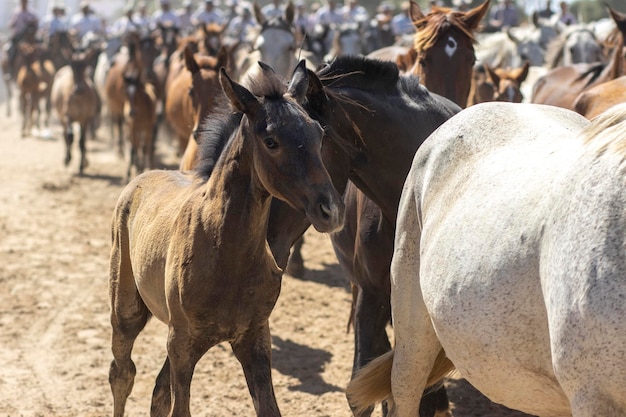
(270, 143)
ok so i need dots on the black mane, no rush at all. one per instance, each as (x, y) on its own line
(217, 128)
(214, 133)
(360, 72)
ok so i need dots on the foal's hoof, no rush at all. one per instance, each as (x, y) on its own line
(295, 268)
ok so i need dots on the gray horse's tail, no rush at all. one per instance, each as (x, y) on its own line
(372, 383)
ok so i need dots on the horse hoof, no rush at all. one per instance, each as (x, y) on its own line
(68, 158)
(295, 268)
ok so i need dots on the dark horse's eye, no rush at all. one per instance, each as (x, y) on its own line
(270, 143)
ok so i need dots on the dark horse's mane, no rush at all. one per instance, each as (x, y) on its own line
(359, 72)
(216, 130)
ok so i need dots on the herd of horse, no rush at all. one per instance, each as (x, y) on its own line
(401, 154)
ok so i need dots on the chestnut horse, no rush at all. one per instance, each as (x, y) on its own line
(596, 100)
(179, 253)
(562, 85)
(34, 82)
(139, 112)
(76, 101)
(510, 264)
(444, 42)
(498, 84)
(193, 95)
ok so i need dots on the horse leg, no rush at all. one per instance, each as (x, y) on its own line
(295, 265)
(119, 120)
(132, 160)
(161, 395)
(129, 316)
(417, 347)
(25, 112)
(370, 337)
(83, 147)
(254, 352)
(184, 352)
(68, 134)
(7, 84)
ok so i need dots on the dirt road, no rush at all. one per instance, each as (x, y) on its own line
(54, 314)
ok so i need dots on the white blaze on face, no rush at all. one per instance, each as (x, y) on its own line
(451, 46)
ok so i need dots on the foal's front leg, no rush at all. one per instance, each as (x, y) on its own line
(254, 352)
(183, 352)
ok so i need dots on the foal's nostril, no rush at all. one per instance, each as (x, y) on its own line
(325, 211)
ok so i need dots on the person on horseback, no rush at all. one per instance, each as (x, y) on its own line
(23, 26)
(54, 22)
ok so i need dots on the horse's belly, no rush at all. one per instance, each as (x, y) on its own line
(488, 311)
(501, 347)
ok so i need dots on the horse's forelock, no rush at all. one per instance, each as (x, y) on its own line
(271, 87)
(435, 25)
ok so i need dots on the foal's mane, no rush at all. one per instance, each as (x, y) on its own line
(435, 24)
(605, 133)
(216, 130)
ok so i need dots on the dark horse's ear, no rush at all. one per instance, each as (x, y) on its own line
(240, 98)
(290, 12)
(315, 94)
(299, 83)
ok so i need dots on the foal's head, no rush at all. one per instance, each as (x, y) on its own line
(285, 144)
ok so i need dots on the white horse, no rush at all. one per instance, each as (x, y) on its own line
(510, 259)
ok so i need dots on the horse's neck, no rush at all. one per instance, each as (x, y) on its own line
(235, 199)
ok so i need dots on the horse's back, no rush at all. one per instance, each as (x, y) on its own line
(479, 196)
(142, 225)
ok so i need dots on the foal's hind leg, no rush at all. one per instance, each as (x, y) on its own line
(129, 316)
(254, 353)
(162, 394)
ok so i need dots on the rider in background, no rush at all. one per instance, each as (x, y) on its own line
(165, 16)
(209, 14)
(54, 22)
(86, 21)
(20, 21)
(185, 17)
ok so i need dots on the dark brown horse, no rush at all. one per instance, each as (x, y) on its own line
(192, 267)
(445, 58)
(562, 85)
(76, 101)
(11, 65)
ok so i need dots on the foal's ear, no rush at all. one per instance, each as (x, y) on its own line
(415, 12)
(240, 98)
(299, 83)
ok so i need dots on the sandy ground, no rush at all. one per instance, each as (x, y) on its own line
(54, 313)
